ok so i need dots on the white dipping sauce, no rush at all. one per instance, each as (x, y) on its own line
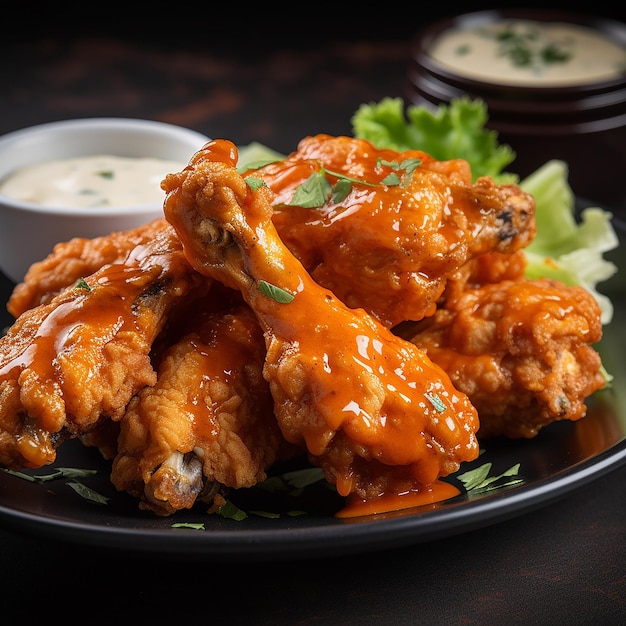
(91, 182)
(533, 53)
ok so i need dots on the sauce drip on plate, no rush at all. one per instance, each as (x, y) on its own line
(436, 491)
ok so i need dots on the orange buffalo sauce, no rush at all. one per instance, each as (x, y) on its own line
(437, 491)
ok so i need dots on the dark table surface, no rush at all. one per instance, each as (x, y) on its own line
(561, 563)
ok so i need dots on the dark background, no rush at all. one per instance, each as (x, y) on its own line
(221, 69)
(267, 25)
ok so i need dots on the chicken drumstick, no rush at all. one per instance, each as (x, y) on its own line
(372, 410)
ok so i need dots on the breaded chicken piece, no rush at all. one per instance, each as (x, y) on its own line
(372, 410)
(389, 244)
(75, 259)
(388, 248)
(521, 349)
(207, 423)
(69, 364)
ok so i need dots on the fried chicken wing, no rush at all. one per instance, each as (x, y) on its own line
(75, 259)
(372, 410)
(68, 364)
(390, 244)
(207, 423)
(521, 349)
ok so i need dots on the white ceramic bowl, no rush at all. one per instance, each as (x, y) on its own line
(28, 232)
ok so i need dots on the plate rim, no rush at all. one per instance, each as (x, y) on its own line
(336, 537)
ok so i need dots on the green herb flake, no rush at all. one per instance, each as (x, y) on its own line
(275, 293)
(273, 484)
(478, 480)
(525, 50)
(106, 174)
(391, 180)
(254, 182)
(22, 475)
(59, 473)
(81, 283)
(229, 510)
(394, 165)
(313, 192)
(436, 401)
(341, 190)
(351, 179)
(190, 525)
(410, 165)
(88, 493)
(553, 54)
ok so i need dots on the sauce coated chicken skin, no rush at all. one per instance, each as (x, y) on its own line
(69, 364)
(521, 349)
(385, 247)
(207, 423)
(372, 410)
(72, 260)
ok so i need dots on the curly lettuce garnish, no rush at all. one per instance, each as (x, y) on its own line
(566, 249)
(454, 131)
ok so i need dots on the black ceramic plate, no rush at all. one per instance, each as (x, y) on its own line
(562, 458)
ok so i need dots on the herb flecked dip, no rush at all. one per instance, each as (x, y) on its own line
(91, 182)
(532, 53)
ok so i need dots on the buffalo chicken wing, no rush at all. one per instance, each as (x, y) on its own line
(404, 223)
(207, 423)
(372, 410)
(77, 360)
(521, 349)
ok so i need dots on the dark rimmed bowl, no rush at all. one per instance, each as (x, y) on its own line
(583, 124)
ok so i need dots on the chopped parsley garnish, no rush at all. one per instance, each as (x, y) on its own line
(313, 192)
(60, 472)
(81, 283)
(316, 190)
(436, 401)
(478, 479)
(524, 49)
(341, 190)
(193, 526)
(275, 293)
(107, 174)
(66, 472)
(254, 182)
(87, 492)
(231, 511)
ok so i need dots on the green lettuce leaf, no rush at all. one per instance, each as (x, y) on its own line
(255, 155)
(449, 132)
(565, 248)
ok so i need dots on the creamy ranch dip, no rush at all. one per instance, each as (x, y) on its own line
(91, 181)
(527, 52)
